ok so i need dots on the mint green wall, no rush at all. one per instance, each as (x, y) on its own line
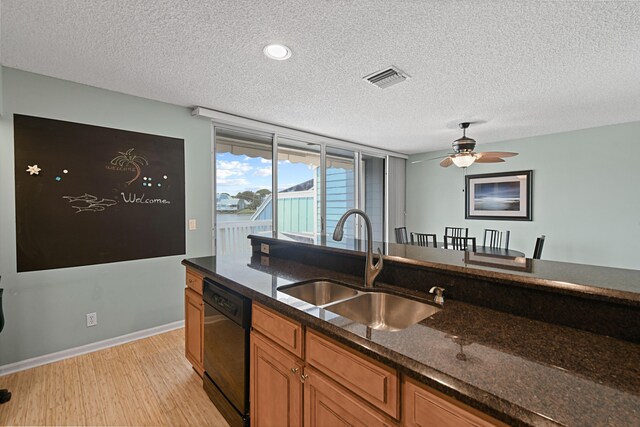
(585, 195)
(1, 92)
(45, 310)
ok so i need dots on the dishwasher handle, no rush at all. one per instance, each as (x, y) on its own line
(225, 305)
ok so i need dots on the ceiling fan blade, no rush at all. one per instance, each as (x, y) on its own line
(446, 162)
(433, 158)
(489, 160)
(424, 160)
(496, 154)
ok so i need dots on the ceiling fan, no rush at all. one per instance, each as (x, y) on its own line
(464, 156)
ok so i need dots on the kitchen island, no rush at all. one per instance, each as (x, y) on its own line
(516, 369)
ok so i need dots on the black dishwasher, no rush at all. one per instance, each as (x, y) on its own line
(227, 319)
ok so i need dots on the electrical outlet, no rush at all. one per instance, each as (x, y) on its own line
(192, 224)
(92, 319)
(264, 248)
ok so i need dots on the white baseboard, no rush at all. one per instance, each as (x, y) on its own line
(88, 348)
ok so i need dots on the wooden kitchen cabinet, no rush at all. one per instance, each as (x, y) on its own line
(328, 404)
(194, 321)
(340, 386)
(275, 386)
(423, 407)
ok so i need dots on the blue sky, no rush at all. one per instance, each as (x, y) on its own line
(235, 173)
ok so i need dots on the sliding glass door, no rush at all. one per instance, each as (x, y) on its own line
(340, 171)
(301, 195)
(299, 185)
(243, 188)
(372, 194)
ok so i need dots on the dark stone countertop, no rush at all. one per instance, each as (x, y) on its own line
(586, 281)
(518, 370)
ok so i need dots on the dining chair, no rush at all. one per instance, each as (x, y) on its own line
(537, 251)
(493, 239)
(422, 239)
(460, 243)
(456, 231)
(401, 235)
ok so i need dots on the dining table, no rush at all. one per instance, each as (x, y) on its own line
(487, 250)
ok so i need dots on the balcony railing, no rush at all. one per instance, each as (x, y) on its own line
(231, 237)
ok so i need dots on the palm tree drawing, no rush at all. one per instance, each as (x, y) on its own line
(129, 159)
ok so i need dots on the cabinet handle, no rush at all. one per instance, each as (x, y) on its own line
(303, 377)
(294, 370)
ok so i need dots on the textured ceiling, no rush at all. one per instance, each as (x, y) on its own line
(523, 68)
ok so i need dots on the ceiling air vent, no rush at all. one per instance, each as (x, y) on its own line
(387, 77)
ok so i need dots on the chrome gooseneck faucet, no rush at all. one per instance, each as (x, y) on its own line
(371, 270)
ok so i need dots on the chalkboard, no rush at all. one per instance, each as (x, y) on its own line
(90, 195)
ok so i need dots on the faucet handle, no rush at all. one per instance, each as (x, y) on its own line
(380, 262)
(439, 297)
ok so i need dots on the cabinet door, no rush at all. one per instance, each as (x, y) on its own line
(276, 389)
(327, 404)
(194, 328)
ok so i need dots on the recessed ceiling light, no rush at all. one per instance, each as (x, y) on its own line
(277, 51)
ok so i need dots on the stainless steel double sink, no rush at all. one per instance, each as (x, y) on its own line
(373, 308)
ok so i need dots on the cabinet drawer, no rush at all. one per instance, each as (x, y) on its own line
(194, 281)
(327, 404)
(282, 331)
(375, 383)
(423, 407)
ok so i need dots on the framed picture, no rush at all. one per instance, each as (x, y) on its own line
(502, 196)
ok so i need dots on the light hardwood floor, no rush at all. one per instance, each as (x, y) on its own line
(145, 382)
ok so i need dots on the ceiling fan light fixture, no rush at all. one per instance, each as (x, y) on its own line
(464, 154)
(464, 144)
(463, 160)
